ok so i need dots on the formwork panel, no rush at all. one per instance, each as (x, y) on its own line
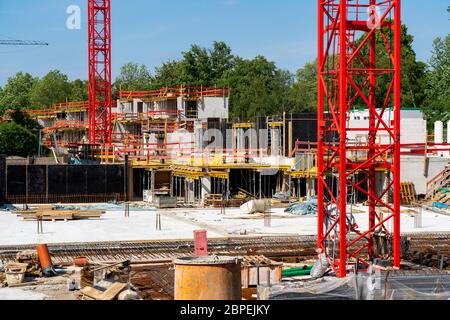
(37, 180)
(95, 180)
(57, 180)
(115, 179)
(76, 180)
(15, 179)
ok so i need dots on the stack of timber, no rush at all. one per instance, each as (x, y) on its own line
(438, 189)
(213, 200)
(59, 215)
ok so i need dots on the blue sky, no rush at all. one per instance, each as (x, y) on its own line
(153, 31)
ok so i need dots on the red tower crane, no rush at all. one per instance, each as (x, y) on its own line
(100, 92)
(351, 36)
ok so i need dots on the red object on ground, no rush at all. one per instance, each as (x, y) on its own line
(44, 257)
(81, 261)
(201, 243)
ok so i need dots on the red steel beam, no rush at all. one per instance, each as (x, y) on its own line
(345, 29)
(100, 82)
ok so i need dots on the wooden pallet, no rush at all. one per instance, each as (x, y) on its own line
(408, 193)
(213, 200)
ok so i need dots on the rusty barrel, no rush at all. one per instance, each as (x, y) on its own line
(208, 278)
(44, 258)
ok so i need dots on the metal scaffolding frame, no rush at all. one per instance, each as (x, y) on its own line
(100, 92)
(346, 77)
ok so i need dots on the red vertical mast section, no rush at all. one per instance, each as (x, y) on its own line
(351, 36)
(100, 93)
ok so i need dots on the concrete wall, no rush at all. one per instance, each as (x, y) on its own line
(413, 126)
(213, 107)
(412, 170)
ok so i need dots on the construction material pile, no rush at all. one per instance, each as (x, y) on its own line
(106, 207)
(309, 207)
(281, 196)
(59, 215)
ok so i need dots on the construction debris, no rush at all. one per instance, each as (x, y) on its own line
(308, 207)
(110, 294)
(15, 273)
(255, 206)
(281, 196)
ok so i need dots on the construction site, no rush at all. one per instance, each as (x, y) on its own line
(161, 195)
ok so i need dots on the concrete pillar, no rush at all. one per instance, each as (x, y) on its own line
(310, 187)
(276, 141)
(206, 186)
(439, 134)
(3, 179)
(152, 184)
(190, 191)
(198, 129)
(382, 181)
(448, 138)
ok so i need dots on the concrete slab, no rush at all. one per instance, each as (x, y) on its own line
(180, 224)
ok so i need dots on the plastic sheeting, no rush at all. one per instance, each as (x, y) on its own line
(281, 196)
(308, 207)
(379, 286)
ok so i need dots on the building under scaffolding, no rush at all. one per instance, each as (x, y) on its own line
(180, 142)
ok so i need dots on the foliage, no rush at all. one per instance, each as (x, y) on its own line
(413, 72)
(303, 94)
(52, 88)
(258, 88)
(79, 90)
(437, 105)
(16, 92)
(24, 120)
(16, 140)
(133, 77)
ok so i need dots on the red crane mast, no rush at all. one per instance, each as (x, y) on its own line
(350, 75)
(100, 87)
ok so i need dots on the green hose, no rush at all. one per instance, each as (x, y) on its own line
(294, 272)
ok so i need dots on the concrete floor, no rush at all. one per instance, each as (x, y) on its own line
(180, 224)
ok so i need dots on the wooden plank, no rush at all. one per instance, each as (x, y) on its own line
(92, 293)
(113, 291)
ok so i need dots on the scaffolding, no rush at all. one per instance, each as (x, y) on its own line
(349, 74)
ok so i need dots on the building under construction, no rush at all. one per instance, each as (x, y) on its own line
(289, 206)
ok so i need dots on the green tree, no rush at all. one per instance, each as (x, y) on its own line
(16, 93)
(133, 77)
(199, 66)
(258, 88)
(79, 90)
(16, 140)
(303, 94)
(52, 88)
(23, 119)
(168, 75)
(413, 71)
(438, 82)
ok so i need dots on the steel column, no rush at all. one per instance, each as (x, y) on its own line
(348, 75)
(100, 92)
